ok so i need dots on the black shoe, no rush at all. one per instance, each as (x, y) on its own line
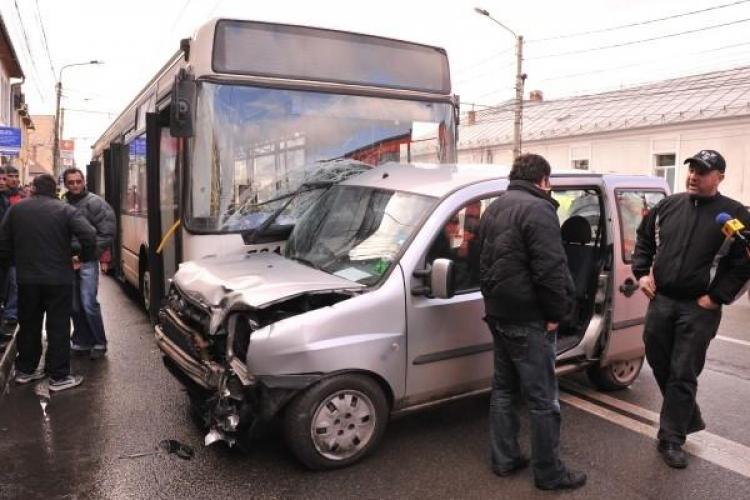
(520, 464)
(673, 454)
(570, 480)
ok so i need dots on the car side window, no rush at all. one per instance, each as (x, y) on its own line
(632, 206)
(458, 240)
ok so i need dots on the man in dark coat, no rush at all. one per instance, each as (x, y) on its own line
(88, 332)
(684, 266)
(37, 232)
(527, 290)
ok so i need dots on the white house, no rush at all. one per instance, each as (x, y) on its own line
(648, 129)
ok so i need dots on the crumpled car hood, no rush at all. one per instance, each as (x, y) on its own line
(254, 279)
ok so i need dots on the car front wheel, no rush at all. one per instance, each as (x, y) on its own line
(616, 375)
(336, 422)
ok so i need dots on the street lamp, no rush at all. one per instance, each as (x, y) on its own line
(520, 77)
(58, 131)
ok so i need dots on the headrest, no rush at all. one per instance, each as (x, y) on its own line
(576, 229)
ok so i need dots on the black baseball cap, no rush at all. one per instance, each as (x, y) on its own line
(708, 159)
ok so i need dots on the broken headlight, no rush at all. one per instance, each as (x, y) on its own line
(241, 326)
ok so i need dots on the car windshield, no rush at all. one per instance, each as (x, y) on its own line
(254, 146)
(357, 233)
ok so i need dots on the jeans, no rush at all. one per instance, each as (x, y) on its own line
(677, 335)
(525, 364)
(11, 295)
(88, 326)
(33, 302)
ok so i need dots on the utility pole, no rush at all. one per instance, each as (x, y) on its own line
(518, 118)
(56, 145)
(520, 79)
(58, 123)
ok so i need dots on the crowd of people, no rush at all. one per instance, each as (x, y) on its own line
(51, 249)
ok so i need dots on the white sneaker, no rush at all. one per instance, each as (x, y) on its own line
(25, 378)
(65, 383)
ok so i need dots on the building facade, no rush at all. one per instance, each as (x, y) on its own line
(39, 146)
(649, 129)
(15, 122)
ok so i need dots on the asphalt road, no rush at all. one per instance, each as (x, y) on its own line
(100, 440)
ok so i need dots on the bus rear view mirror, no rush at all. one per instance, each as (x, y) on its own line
(182, 108)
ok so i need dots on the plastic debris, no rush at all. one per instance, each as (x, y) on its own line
(183, 451)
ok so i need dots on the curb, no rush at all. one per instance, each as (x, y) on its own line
(6, 365)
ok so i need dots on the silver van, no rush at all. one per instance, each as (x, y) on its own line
(371, 308)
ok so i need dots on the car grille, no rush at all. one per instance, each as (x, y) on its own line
(196, 318)
(178, 332)
(184, 323)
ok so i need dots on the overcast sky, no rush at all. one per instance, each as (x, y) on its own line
(135, 37)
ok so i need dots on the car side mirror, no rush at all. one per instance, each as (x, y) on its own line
(182, 106)
(442, 279)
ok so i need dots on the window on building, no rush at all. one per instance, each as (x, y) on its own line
(580, 155)
(665, 167)
(580, 164)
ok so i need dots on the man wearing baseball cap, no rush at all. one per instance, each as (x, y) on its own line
(687, 272)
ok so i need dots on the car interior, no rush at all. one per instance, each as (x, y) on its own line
(582, 234)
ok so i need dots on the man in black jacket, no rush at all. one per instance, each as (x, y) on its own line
(684, 266)
(38, 232)
(88, 326)
(527, 290)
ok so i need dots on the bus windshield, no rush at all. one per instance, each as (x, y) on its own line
(253, 145)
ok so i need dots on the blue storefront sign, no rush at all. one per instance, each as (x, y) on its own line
(10, 141)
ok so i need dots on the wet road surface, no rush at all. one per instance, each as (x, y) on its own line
(100, 440)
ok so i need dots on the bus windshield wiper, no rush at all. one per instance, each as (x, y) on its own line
(307, 186)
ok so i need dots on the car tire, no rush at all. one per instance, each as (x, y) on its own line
(320, 431)
(615, 376)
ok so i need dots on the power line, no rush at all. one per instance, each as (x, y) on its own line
(483, 61)
(644, 40)
(489, 72)
(28, 50)
(641, 63)
(641, 23)
(44, 38)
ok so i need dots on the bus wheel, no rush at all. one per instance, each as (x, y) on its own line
(146, 290)
(336, 422)
(615, 376)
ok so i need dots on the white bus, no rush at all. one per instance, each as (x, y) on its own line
(246, 113)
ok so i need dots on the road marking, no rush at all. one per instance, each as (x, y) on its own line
(734, 341)
(705, 445)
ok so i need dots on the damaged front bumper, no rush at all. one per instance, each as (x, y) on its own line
(232, 400)
(206, 375)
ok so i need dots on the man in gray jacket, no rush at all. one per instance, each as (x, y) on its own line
(88, 332)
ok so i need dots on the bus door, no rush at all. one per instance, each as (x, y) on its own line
(113, 161)
(164, 234)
